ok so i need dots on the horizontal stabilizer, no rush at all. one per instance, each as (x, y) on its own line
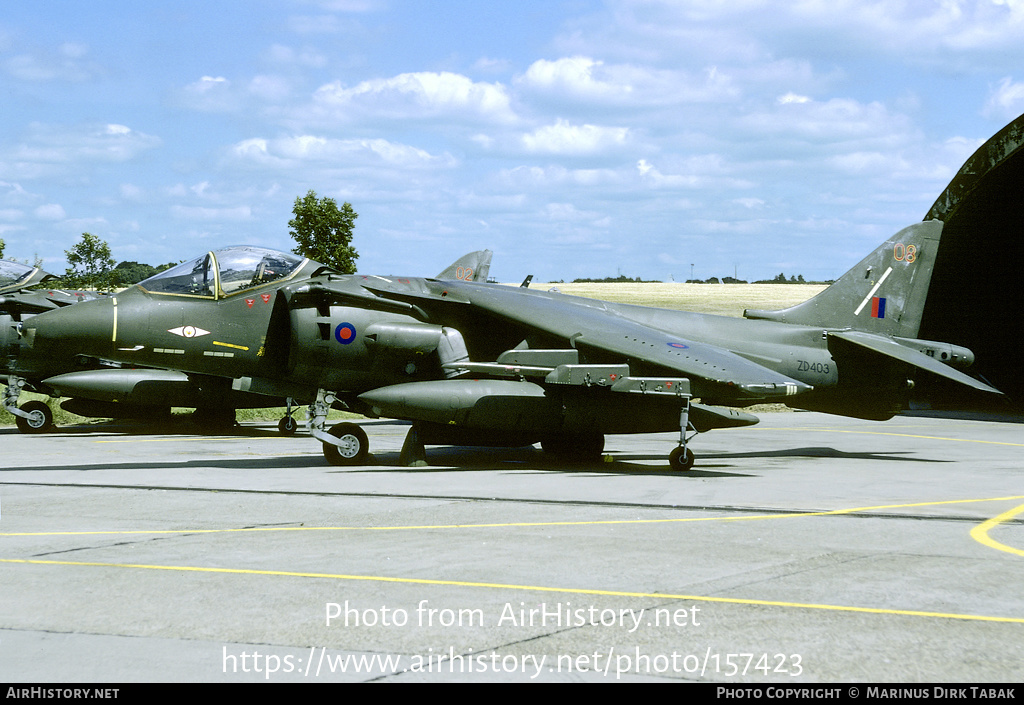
(891, 348)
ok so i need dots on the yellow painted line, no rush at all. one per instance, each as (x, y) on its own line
(230, 345)
(757, 517)
(113, 337)
(898, 435)
(532, 588)
(167, 440)
(980, 532)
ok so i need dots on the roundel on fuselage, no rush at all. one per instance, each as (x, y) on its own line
(345, 333)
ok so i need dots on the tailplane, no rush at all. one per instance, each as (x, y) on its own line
(884, 294)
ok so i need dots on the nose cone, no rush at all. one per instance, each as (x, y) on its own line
(52, 340)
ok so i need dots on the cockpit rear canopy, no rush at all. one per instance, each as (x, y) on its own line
(223, 273)
(14, 275)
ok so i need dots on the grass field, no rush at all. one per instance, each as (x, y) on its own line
(718, 299)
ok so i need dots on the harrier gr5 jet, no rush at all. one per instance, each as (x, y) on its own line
(22, 297)
(472, 363)
(580, 368)
(239, 326)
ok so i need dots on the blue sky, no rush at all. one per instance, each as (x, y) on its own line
(572, 137)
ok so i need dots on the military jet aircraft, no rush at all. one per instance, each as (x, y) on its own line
(97, 388)
(473, 363)
(183, 336)
(21, 297)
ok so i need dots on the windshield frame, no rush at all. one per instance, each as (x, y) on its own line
(215, 278)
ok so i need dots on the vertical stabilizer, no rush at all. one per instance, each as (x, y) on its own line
(473, 267)
(884, 294)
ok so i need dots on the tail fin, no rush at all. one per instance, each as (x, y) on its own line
(473, 267)
(884, 294)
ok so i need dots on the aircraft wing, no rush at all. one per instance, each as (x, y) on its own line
(590, 323)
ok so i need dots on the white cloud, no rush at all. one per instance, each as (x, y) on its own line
(1006, 100)
(840, 120)
(417, 96)
(274, 89)
(575, 76)
(575, 140)
(543, 178)
(793, 98)
(68, 63)
(238, 213)
(50, 211)
(211, 94)
(287, 56)
(584, 80)
(52, 149)
(304, 150)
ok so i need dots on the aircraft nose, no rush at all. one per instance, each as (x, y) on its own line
(86, 328)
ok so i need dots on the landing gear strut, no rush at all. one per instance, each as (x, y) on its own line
(345, 443)
(288, 425)
(33, 416)
(682, 458)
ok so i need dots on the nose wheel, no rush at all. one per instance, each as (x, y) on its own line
(351, 448)
(344, 443)
(38, 418)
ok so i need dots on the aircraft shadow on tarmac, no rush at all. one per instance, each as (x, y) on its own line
(444, 459)
(149, 428)
(449, 459)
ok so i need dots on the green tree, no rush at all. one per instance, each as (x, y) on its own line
(91, 264)
(2, 246)
(324, 232)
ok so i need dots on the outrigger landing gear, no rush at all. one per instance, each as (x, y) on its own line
(682, 458)
(288, 425)
(345, 443)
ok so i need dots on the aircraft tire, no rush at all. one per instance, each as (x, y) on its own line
(681, 459)
(584, 447)
(288, 426)
(41, 419)
(354, 448)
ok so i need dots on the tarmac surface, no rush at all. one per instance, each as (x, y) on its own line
(808, 548)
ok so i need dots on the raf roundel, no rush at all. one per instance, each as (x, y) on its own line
(345, 333)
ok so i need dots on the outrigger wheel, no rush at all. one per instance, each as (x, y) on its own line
(681, 458)
(40, 418)
(288, 426)
(353, 447)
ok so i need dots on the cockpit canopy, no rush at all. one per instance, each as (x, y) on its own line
(14, 275)
(225, 272)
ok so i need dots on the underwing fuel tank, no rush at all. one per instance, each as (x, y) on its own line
(97, 392)
(144, 387)
(524, 407)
